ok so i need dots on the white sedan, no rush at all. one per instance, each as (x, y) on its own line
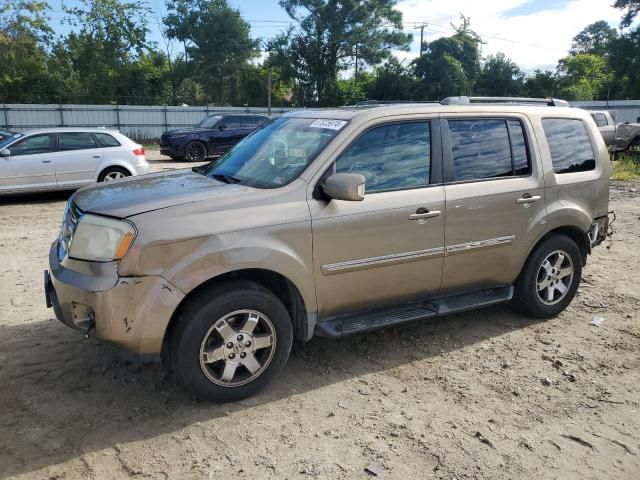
(67, 158)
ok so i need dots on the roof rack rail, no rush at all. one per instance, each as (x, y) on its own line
(368, 103)
(550, 102)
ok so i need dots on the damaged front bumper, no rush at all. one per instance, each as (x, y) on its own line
(130, 312)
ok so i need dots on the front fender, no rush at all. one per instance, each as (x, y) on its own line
(190, 263)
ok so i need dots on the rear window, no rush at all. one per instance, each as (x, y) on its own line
(107, 140)
(600, 119)
(569, 145)
(488, 148)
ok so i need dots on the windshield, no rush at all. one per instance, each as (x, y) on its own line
(7, 141)
(208, 122)
(276, 153)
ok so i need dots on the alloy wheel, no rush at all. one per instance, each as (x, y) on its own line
(238, 348)
(196, 152)
(555, 277)
(116, 175)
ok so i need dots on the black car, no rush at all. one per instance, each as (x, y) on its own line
(212, 136)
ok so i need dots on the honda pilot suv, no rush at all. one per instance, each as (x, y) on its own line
(331, 223)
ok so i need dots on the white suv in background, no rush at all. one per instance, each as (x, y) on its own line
(67, 158)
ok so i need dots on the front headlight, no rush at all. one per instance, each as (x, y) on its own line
(101, 239)
(179, 136)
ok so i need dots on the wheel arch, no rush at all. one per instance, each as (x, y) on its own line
(117, 165)
(275, 282)
(575, 233)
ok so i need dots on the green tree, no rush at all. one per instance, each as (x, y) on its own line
(24, 36)
(450, 65)
(631, 8)
(583, 76)
(595, 39)
(542, 84)
(109, 37)
(327, 36)
(624, 65)
(500, 76)
(217, 44)
(392, 81)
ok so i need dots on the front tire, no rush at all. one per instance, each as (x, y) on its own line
(550, 279)
(231, 341)
(195, 151)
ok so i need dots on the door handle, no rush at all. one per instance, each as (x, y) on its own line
(97, 156)
(423, 213)
(46, 161)
(527, 198)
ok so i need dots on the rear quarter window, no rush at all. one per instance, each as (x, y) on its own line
(569, 145)
(107, 140)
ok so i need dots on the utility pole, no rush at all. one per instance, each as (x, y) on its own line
(356, 77)
(269, 94)
(421, 27)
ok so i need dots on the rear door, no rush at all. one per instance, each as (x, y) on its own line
(387, 248)
(30, 165)
(495, 208)
(79, 155)
(232, 133)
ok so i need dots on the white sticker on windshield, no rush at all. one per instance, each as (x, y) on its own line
(329, 124)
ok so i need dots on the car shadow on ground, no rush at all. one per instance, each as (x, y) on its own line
(63, 397)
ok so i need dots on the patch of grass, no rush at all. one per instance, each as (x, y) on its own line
(626, 167)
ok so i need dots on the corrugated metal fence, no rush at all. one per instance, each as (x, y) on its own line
(145, 122)
(141, 122)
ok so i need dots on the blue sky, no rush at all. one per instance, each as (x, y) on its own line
(534, 33)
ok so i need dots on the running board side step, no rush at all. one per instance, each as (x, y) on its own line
(377, 319)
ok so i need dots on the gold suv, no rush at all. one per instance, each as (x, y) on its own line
(334, 222)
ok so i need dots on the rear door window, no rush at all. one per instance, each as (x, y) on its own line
(390, 157)
(76, 141)
(569, 145)
(488, 148)
(232, 121)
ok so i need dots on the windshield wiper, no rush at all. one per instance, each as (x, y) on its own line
(225, 178)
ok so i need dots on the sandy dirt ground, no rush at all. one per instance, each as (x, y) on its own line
(488, 394)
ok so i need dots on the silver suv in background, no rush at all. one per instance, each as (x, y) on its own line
(330, 223)
(67, 158)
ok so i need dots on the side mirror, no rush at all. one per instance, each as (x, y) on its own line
(222, 127)
(5, 152)
(345, 186)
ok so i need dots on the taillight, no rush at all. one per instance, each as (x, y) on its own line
(138, 151)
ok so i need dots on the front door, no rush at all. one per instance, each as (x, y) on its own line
(495, 200)
(387, 248)
(30, 165)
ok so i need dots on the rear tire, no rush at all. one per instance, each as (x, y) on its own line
(550, 278)
(230, 341)
(111, 174)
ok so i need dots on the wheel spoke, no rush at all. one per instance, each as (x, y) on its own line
(565, 272)
(547, 267)
(229, 371)
(262, 341)
(559, 261)
(213, 355)
(251, 363)
(224, 329)
(550, 291)
(561, 287)
(251, 322)
(542, 285)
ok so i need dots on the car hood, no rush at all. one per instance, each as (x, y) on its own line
(136, 195)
